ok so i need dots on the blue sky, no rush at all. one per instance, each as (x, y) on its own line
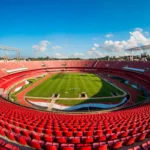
(74, 28)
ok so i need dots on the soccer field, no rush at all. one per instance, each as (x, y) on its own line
(70, 85)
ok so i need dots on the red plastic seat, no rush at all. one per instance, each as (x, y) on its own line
(2, 142)
(113, 137)
(51, 146)
(48, 131)
(84, 147)
(61, 139)
(116, 145)
(35, 144)
(35, 136)
(25, 133)
(146, 145)
(21, 140)
(87, 139)
(99, 138)
(129, 141)
(9, 146)
(141, 137)
(98, 132)
(74, 140)
(67, 147)
(58, 133)
(136, 148)
(48, 138)
(10, 136)
(123, 134)
(88, 133)
(78, 133)
(100, 147)
(67, 134)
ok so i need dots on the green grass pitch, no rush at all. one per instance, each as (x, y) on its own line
(70, 85)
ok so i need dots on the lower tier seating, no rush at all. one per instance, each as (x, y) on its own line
(45, 130)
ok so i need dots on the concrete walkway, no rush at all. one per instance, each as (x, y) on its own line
(50, 106)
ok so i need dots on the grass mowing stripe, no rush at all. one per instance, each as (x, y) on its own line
(59, 86)
(94, 87)
(86, 86)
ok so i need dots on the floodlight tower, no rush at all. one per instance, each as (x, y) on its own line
(7, 48)
(144, 48)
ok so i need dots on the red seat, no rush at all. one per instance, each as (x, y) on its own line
(51, 146)
(99, 138)
(113, 137)
(2, 132)
(67, 147)
(129, 141)
(68, 134)
(25, 133)
(87, 139)
(136, 148)
(116, 145)
(10, 136)
(100, 147)
(84, 147)
(61, 139)
(98, 132)
(35, 136)
(48, 138)
(58, 133)
(35, 144)
(48, 131)
(123, 134)
(146, 146)
(11, 147)
(74, 140)
(2, 142)
(78, 133)
(107, 131)
(21, 140)
(88, 133)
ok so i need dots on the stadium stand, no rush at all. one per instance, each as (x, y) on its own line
(29, 128)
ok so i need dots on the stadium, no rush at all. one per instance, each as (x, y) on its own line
(74, 104)
(74, 75)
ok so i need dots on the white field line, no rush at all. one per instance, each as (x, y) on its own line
(38, 97)
(78, 98)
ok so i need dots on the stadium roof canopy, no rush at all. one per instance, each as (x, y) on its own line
(7, 48)
(144, 47)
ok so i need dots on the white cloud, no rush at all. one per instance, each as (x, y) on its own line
(139, 29)
(96, 45)
(59, 55)
(41, 47)
(94, 54)
(93, 49)
(137, 38)
(56, 47)
(78, 54)
(109, 35)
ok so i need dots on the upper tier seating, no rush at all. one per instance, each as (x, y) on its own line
(31, 65)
